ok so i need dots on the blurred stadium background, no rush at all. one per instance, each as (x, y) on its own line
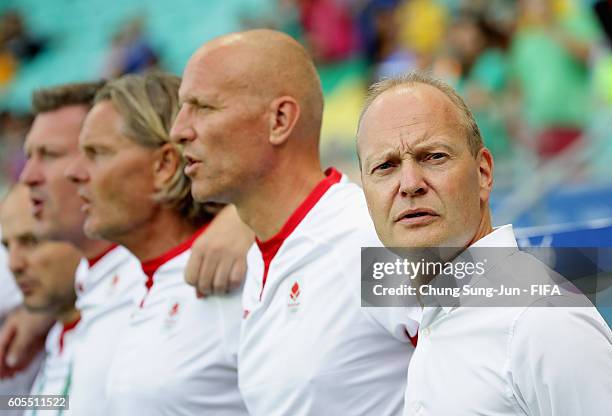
(537, 74)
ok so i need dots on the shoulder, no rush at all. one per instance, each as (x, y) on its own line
(342, 215)
(556, 333)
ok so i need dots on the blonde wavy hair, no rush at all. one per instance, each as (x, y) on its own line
(148, 104)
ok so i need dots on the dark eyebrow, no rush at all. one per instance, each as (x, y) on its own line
(190, 99)
(27, 237)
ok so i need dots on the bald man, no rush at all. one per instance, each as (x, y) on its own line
(250, 119)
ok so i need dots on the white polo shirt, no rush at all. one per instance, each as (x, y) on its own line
(536, 361)
(178, 355)
(55, 375)
(307, 346)
(106, 290)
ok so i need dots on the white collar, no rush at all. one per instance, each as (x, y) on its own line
(502, 236)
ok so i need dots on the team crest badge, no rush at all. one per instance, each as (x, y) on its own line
(112, 287)
(172, 315)
(293, 303)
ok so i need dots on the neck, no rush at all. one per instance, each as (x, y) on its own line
(484, 228)
(68, 316)
(93, 248)
(147, 242)
(287, 187)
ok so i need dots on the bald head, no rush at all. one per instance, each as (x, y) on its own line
(269, 64)
(250, 110)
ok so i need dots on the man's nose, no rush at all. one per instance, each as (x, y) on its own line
(17, 262)
(76, 171)
(181, 131)
(412, 180)
(32, 174)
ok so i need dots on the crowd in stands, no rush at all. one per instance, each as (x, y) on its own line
(535, 72)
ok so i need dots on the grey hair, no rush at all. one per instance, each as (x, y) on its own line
(474, 138)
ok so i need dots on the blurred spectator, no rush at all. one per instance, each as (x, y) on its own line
(15, 37)
(367, 27)
(478, 48)
(329, 30)
(282, 15)
(380, 26)
(13, 129)
(602, 66)
(423, 30)
(8, 66)
(549, 59)
(16, 45)
(130, 51)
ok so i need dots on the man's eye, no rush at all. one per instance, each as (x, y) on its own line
(29, 241)
(94, 152)
(383, 166)
(47, 154)
(436, 156)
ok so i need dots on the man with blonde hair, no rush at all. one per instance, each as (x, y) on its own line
(177, 355)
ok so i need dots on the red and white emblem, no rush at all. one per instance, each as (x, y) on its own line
(175, 309)
(112, 287)
(294, 297)
(295, 292)
(173, 314)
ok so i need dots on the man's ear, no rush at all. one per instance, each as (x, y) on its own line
(284, 114)
(485, 173)
(167, 162)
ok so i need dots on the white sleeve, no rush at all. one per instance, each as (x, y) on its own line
(229, 309)
(402, 322)
(561, 362)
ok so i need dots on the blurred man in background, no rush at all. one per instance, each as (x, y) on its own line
(10, 298)
(44, 271)
(428, 179)
(250, 119)
(178, 355)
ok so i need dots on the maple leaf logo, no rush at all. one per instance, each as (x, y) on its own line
(174, 310)
(295, 292)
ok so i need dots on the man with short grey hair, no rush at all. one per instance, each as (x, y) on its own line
(428, 179)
